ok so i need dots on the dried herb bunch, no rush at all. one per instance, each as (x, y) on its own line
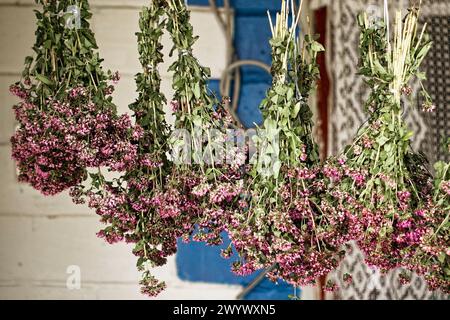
(160, 198)
(129, 205)
(379, 177)
(207, 171)
(283, 224)
(67, 121)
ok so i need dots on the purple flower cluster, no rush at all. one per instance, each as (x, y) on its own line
(396, 225)
(56, 141)
(300, 240)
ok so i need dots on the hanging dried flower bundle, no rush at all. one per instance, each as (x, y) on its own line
(284, 225)
(207, 169)
(128, 204)
(159, 199)
(67, 121)
(379, 177)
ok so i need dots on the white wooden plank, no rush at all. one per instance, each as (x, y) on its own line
(125, 92)
(46, 292)
(111, 291)
(115, 31)
(41, 249)
(179, 291)
(117, 40)
(17, 27)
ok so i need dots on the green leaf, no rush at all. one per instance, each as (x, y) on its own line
(28, 60)
(44, 79)
(197, 90)
(408, 135)
(421, 75)
(48, 44)
(274, 99)
(296, 110)
(382, 140)
(197, 121)
(441, 257)
(423, 51)
(280, 90)
(276, 168)
(289, 94)
(379, 68)
(317, 47)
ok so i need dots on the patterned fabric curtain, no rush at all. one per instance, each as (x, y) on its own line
(348, 93)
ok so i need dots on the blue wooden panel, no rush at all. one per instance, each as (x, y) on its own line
(250, 98)
(267, 290)
(199, 262)
(252, 35)
(244, 6)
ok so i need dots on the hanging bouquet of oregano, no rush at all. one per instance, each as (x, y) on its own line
(67, 121)
(161, 199)
(284, 226)
(207, 163)
(130, 205)
(379, 177)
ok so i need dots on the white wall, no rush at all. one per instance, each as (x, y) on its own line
(40, 237)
